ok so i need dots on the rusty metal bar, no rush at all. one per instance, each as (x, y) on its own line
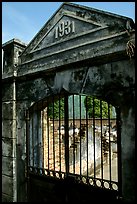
(53, 134)
(118, 126)
(101, 140)
(48, 129)
(32, 137)
(66, 116)
(73, 135)
(42, 126)
(37, 137)
(59, 137)
(41, 135)
(94, 137)
(28, 152)
(27, 140)
(80, 134)
(30, 140)
(109, 143)
(87, 133)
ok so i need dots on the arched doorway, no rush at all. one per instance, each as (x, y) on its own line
(73, 140)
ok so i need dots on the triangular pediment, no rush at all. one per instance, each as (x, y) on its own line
(70, 25)
(67, 27)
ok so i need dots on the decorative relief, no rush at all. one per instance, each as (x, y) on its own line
(130, 48)
(64, 28)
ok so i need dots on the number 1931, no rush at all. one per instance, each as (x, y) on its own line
(64, 28)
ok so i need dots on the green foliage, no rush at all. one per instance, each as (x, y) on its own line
(55, 105)
(88, 101)
(96, 110)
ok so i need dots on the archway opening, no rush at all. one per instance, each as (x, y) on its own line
(76, 136)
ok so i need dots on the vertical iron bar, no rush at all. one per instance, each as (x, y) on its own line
(41, 135)
(80, 133)
(33, 136)
(101, 141)
(118, 126)
(53, 137)
(27, 151)
(87, 133)
(27, 138)
(109, 142)
(66, 134)
(37, 151)
(48, 129)
(73, 135)
(59, 137)
(30, 140)
(94, 138)
(43, 140)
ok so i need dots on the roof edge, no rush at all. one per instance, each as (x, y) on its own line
(98, 10)
(15, 41)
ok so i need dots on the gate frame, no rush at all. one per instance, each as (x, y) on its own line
(67, 175)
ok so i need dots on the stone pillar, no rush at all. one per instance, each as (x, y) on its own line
(11, 50)
(9, 185)
(128, 154)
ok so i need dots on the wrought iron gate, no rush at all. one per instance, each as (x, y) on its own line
(75, 136)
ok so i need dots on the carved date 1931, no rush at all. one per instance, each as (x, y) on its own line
(64, 28)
